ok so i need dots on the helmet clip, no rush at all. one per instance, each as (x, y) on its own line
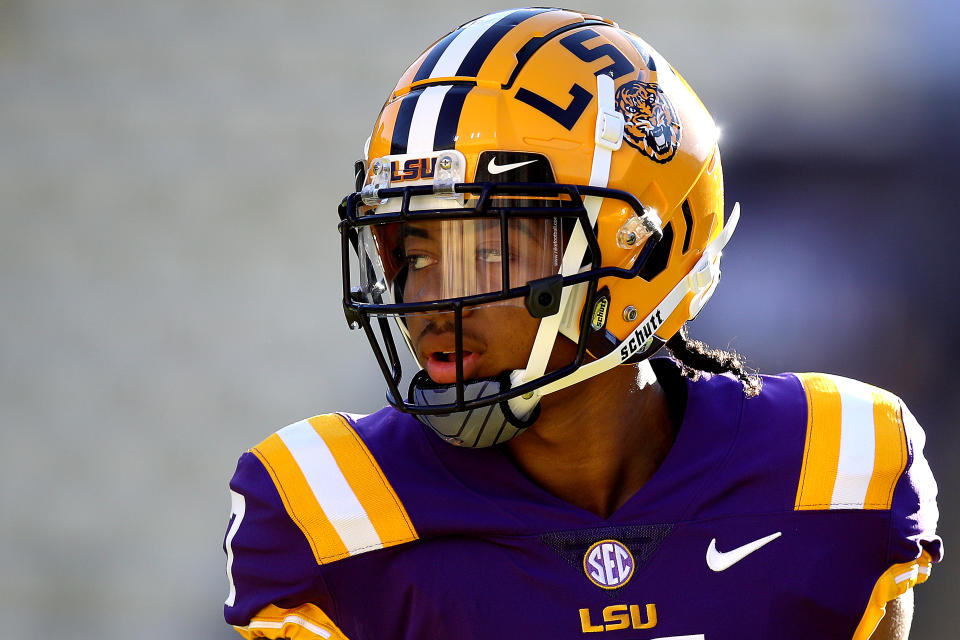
(544, 297)
(610, 125)
(380, 168)
(449, 171)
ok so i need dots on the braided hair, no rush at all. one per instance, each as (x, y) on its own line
(696, 357)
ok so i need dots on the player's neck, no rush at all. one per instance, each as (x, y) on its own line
(596, 443)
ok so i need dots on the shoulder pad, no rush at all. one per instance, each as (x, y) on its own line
(333, 488)
(855, 449)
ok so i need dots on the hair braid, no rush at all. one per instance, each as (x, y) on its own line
(696, 357)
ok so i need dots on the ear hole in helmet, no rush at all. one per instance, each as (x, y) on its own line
(657, 261)
(688, 219)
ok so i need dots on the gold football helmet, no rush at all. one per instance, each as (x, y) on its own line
(535, 158)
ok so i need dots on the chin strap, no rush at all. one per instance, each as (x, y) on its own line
(608, 138)
(701, 281)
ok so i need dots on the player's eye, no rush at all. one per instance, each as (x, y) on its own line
(418, 261)
(489, 255)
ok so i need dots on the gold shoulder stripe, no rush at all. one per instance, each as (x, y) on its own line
(891, 585)
(333, 488)
(369, 484)
(298, 499)
(891, 450)
(306, 622)
(822, 447)
(855, 449)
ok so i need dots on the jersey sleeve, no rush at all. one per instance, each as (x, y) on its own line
(914, 544)
(275, 589)
(864, 452)
(310, 495)
(914, 511)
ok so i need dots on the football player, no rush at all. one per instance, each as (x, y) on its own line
(538, 211)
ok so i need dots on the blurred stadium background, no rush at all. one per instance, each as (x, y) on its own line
(169, 173)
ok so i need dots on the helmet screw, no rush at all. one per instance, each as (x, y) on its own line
(631, 239)
(630, 314)
(377, 167)
(446, 163)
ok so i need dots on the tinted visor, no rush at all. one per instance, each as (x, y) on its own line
(439, 259)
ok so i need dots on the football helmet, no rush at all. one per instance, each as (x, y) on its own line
(540, 162)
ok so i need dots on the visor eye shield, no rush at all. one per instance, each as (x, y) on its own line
(496, 244)
(439, 256)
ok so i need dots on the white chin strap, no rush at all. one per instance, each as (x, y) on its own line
(700, 281)
(608, 138)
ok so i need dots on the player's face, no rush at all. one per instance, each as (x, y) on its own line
(452, 258)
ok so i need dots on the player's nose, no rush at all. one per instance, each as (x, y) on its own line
(422, 289)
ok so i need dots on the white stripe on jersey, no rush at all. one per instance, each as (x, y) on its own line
(857, 444)
(297, 620)
(330, 487)
(907, 575)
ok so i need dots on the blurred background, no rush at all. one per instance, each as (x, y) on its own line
(169, 262)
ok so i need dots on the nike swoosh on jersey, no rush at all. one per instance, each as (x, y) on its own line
(495, 168)
(720, 560)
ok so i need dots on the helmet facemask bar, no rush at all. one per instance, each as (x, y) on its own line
(540, 296)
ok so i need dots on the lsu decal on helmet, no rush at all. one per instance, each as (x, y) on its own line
(541, 166)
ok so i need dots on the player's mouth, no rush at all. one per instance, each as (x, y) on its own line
(442, 366)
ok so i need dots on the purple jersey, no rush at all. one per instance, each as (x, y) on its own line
(795, 514)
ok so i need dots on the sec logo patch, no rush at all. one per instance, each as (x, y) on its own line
(608, 564)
